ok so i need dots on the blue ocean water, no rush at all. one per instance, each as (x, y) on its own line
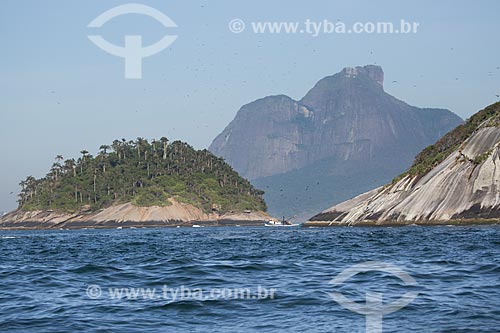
(81, 280)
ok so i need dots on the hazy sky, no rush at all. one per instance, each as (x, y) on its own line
(59, 93)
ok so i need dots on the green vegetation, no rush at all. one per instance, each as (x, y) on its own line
(482, 157)
(143, 173)
(436, 153)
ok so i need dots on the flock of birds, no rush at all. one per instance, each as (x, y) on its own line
(490, 73)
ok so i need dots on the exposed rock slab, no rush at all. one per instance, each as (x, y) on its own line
(458, 188)
(128, 215)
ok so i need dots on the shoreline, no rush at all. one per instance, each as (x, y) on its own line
(130, 216)
(382, 224)
(33, 225)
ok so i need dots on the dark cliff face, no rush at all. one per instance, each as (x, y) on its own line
(346, 124)
(265, 137)
(347, 115)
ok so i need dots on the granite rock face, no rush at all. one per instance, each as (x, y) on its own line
(346, 123)
(465, 185)
(128, 215)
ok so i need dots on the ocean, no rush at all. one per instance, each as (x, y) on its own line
(244, 279)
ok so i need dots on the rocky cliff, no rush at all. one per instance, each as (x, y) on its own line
(456, 179)
(346, 126)
(129, 215)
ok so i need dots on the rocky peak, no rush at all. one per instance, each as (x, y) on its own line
(346, 117)
(373, 72)
(345, 136)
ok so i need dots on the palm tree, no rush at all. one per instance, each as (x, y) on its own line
(117, 148)
(23, 195)
(164, 141)
(153, 147)
(56, 168)
(104, 149)
(70, 165)
(139, 144)
(84, 154)
(102, 156)
(124, 143)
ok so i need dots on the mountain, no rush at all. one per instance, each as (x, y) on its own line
(345, 136)
(455, 180)
(138, 182)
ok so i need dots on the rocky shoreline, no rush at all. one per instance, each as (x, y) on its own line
(462, 222)
(133, 224)
(129, 216)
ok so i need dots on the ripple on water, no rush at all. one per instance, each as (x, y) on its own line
(46, 274)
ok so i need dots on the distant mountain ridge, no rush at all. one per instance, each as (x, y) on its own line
(346, 123)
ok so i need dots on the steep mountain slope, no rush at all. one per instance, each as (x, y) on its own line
(455, 179)
(346, 126)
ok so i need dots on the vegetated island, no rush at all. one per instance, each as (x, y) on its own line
(455, 181)
(138, 184)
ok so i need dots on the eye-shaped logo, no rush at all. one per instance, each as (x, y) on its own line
(374, 308)
(132, 52)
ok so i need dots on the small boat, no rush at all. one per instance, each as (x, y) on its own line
(119, 228)
(275, 223)
(197, 226)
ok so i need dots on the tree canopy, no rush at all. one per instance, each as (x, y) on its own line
(144, 173)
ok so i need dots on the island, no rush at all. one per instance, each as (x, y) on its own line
(455, 181)
(137, 183)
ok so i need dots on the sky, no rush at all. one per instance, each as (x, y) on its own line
(60, 93)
